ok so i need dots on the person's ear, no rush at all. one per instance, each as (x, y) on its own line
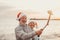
(19, 20)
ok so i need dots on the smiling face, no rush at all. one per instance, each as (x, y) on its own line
(32, 24)
(23, 20)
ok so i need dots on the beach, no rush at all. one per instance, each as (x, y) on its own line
(8, 23)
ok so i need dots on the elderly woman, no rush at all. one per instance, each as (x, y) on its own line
(32, 25)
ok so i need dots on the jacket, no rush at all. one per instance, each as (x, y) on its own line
(23, 32)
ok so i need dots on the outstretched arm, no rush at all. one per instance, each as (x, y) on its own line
(50, 13)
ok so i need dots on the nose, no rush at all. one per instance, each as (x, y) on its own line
(24, 19)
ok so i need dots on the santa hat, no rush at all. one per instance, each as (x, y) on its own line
(19, 15)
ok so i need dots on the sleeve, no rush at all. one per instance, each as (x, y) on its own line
(23, 35)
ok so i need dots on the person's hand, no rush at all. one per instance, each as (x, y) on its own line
(41, 29)
(39, 32)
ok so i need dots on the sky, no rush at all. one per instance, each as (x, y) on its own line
(33, 8)
(41, 6)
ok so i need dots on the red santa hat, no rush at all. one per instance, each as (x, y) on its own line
(19, 15)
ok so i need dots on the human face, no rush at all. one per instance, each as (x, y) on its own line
(23, 20)
(31, 24)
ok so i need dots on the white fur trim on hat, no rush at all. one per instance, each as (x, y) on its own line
(20, 15)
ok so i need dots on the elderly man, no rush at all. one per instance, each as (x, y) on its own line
(22, 31)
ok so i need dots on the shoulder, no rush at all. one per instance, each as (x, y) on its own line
(18, 28)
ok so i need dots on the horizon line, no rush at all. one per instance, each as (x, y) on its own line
(42, 19)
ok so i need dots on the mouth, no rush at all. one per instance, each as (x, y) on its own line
(24, 21)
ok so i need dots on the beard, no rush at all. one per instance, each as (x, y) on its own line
(24, 21)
